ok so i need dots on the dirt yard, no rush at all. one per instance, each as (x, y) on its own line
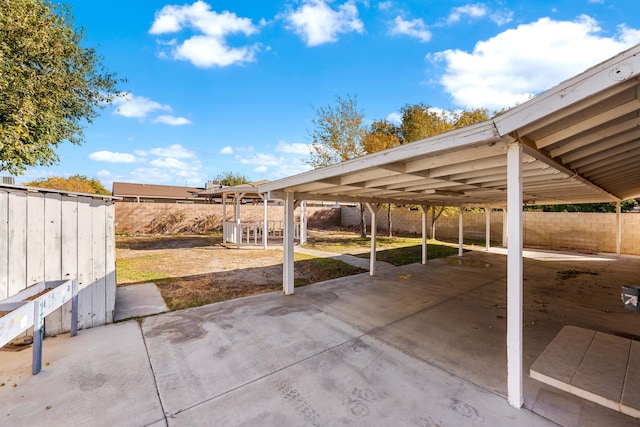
(195, 270)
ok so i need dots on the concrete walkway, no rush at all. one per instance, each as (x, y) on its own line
(415, 345)
(363, 263)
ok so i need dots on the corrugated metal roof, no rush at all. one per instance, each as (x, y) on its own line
(580, 143)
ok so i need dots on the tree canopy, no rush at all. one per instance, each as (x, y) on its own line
(76, 183)
(382, 134)
(338, 133)
(51, 85)
(421, 121)
(230, 179)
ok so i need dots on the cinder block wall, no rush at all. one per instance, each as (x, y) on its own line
(554, 230)
(135, 218)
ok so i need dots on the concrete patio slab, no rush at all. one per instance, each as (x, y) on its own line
(360, 382)
(223, 346)
(101, 377)
(138, 300)
(418, 344)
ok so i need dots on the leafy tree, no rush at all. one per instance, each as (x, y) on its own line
(338, 133)
(75, 183)
(50, 85)
(421, 121)
(462, 118)
(381, 135)
(230, 179)
(338, 136)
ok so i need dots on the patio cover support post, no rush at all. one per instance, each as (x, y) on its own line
(287, 270)
(236, 219)
(505, 231)
(460, 231)
(303, 222)
(619, 226)
(265, 221)
(487, 229)
(224, 217)
(423, 211)
(514, 275)
(373, 209)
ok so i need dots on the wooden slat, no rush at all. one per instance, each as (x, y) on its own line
(588, 123)
(85, 265)
(17, 251)
(110, 262)
(53, 254)
(35, 238)
(4, 245)
(69, 247)
(98, 212)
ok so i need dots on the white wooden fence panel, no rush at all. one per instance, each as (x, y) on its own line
(85, 263)
(4, 244)
(53, 254)
(35, 238)
(110, 260)
(99, 270)
(47, 236)
(17, 253)
(69, 247)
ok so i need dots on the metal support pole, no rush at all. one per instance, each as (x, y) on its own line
(487, 228)
(619, 227)
(514, 275)
(423, 210)
(287, 270)
(373, 209)
(265, 223)
(460, 231)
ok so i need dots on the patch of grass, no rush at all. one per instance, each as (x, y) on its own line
(313, 270)
(350, 245)
(197, 290)
(411, 254)
(138, 270)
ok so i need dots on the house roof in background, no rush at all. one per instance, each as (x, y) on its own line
(125, 189)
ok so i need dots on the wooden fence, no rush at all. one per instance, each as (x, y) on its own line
(48, 235)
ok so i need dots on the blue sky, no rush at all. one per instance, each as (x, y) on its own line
(215, 86)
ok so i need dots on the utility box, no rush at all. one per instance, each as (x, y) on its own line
(630, 296)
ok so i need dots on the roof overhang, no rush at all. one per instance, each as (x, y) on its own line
(581, 143)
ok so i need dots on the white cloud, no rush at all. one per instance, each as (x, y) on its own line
(172, 120)
(260, 159)
(294, 148)
(261, 169)
(207, 46)
(476, 11)
(167, 162)
(112, 157)
(317, 23)
(521, 62)
(227, 150)
(292, 168)
(629, 36)
(395, 118)
(132, 106)
(414, 28)
(176, 150)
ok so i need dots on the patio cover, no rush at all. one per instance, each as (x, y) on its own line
(577, 142)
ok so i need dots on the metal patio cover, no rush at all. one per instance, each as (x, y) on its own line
(580, 144)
